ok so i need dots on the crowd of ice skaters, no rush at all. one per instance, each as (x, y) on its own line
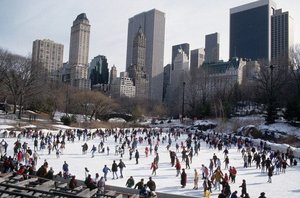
(24, 159)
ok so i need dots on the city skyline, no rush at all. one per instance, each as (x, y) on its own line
(185, 23)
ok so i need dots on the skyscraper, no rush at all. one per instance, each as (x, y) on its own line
(197, 59)
(282, 36)
(166, 82)
(212, 47)
(177, 80)
(184, 47)
(79, 52)
(137, 69)
(250, 30)
(152, 24)
(99, 70)
(113, 74)
(50, 55)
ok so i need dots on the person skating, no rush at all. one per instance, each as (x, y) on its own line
(262, 195)
(270, 173)
(93, 150)
(65, 169)
(154, 168)
(207, 193)
(137, 156)
(130, 182)
(183, 178)
(196, 179)
(232, 174)
(178, 167)
(139, 185)
(114, 169)
(234, 195)
(151, 184)
(244, 188)
(218, 175)
(121, 165)
(105, 171)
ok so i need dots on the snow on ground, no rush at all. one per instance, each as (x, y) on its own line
(283, 185)
(282, 127)
(61, 126)
(4, 126)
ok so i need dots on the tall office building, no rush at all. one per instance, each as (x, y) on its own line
(136, 70)
(212, 48)
(282, 36)
(184, 47)
(79, 52)
(177, 79)
(250, 30)
(152, 24)
(50, 55)
(99, 70)
(113, 74)
(167, 78)
(197, 59)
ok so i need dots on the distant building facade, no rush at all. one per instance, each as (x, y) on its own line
(79, 52)
(113, 74)
(258, 31)
(152, 24)
(49, 55)
(197, 59)
(250, 30)
(167, 80)
(282, 37)
(99, 71)
(178, 79)
(137, 69)
(212, 48)
(184, 47)
(123, 86)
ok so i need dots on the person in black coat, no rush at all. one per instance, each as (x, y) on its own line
(262, 195)
(114, 169)
(73, 183)
(244, 189)
(89, 182)
(270, 173)
(183, 178)
(139, 185)
(137, 156)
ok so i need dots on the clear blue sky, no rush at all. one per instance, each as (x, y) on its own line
(23, 21)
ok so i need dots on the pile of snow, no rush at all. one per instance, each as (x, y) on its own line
(28, 126)
(281, 128)
(117, 120)
(3, 126)
(61, 126)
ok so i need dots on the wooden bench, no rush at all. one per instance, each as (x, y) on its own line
(87, 193)
(119, 196)
(135, 196)
(63, 185)
(27, 181)
(46, 186)
(111, 193)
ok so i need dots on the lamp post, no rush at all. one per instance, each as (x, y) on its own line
(182, 110)
(271, 110)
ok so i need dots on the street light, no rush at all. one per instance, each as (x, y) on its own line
(271, 108)
(182, 110)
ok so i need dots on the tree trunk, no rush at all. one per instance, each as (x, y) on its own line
(20, 107)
